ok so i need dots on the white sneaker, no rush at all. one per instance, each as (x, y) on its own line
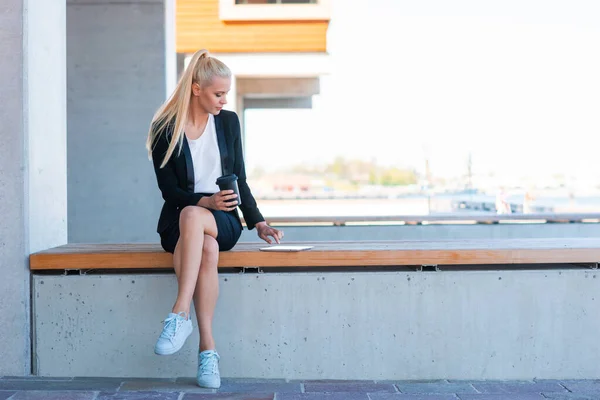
(208, 370)
(175, 331)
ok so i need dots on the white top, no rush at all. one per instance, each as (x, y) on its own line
(206, 159)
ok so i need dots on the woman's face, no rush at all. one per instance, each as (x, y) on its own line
(213, 97)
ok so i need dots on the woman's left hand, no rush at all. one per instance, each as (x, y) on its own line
(264, 231)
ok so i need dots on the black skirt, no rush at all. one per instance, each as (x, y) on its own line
(228, 226)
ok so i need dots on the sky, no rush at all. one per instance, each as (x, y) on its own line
(514, 83)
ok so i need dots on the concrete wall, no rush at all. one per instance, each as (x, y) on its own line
(32, 160)
(346, 325)
(116, 81)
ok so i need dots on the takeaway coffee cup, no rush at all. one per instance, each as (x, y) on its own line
(229, 182)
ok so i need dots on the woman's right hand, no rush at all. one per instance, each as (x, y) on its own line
(225, 200)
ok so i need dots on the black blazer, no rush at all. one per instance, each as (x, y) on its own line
(176, 178)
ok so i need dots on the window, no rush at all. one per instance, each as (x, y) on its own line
(274, 10)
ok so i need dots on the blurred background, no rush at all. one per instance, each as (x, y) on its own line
(348, 107)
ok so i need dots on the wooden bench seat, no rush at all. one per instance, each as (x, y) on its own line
(333, 254)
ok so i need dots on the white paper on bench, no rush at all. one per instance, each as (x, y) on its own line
(286, 248)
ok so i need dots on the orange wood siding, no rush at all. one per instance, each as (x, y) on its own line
(199, 27)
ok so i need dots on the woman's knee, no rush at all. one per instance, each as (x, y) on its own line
(193, 214)
(210, 248)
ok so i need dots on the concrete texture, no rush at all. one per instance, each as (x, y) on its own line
(32, 160)
(116, 81)
(14, 285)
(343, 325)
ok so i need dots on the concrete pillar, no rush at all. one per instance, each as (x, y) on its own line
(232, 97)
(32, 160)
(116, 80)
(171, 57)
(46, 123)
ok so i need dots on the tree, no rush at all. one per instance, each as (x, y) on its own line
(397, 177)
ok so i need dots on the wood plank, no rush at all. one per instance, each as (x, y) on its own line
(333, 254)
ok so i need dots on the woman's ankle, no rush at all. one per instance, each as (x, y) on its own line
(178, 310)
(209, 345)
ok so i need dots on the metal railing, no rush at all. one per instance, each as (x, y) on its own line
(454, 218)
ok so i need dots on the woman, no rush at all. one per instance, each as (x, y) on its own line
(192, 141)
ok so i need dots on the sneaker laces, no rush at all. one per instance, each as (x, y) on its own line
(209, 363)
(172, 324)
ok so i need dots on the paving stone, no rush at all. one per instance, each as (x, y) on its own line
(503, 396)
(112, 380)
(437, 381)
(435, 388)
(228, 387)
(571, 396)
(256, 386)
(39, 384)
(138, 396)
(353, 382)
(120, 379)
(400, 396)
(225, 381)
(53, 395)
(349, 387)
(229, 396)
(323, 396)
(38, 378)
(184, 385)
(518, 387)
(5, 395)
(588, 386)
(86, 388)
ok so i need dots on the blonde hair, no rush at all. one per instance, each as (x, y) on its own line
(201, 70)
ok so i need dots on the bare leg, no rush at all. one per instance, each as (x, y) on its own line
(207, 292)
(194, 223)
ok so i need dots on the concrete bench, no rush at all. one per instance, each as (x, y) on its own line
(333, 254)
(324, 317)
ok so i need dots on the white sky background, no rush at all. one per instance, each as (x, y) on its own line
(516, 82)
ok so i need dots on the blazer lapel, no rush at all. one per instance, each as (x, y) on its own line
(189, 166)
(222, 143)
